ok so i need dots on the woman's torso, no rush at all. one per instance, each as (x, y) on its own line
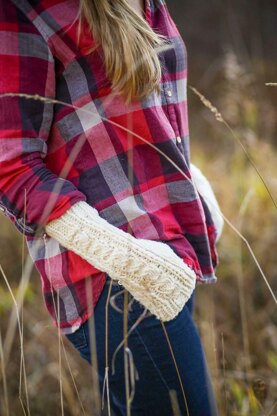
(128, 181)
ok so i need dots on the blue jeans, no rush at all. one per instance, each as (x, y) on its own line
(153, 361)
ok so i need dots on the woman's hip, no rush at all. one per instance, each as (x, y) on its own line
(166, 362)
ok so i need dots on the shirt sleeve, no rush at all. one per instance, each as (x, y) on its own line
(30, 194)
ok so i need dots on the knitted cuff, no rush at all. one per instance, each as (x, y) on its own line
(149, 270)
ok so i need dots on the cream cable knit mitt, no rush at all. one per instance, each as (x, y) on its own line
(149, 270)
(204, 187)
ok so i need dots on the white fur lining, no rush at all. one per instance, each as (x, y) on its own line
(204, 188)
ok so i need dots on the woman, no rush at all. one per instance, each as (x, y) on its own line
(100, 183)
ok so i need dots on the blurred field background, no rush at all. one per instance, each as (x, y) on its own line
(231, 55)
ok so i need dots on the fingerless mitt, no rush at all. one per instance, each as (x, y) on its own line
(150, 270)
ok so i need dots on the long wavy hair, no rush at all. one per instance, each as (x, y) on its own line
(129, 44)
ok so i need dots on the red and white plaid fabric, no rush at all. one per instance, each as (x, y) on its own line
(53, 155)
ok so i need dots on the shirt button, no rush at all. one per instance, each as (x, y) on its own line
(169, 93)
(179, 140)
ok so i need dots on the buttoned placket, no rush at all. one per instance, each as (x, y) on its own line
(167, 90)
(170, 99)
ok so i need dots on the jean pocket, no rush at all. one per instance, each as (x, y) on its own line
(78, 338)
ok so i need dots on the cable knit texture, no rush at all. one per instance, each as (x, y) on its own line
(150, 270)
(204, 187)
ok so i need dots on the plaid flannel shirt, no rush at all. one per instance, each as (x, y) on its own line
(130, 183)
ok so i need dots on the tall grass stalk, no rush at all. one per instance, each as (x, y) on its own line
(96, 398)
(4, 378)
(219, 118)
(22, 360)
(176, 366)
(126, 294)
(126, 361)
(245, 333)
(59, 351)
(106, 379)
(22, 368)
(209, 338)
(140, 318)
(73, 379)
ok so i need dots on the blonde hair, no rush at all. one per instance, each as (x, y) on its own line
(130, 46)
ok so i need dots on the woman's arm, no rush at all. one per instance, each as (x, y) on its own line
(150, 270)
(27, 66)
